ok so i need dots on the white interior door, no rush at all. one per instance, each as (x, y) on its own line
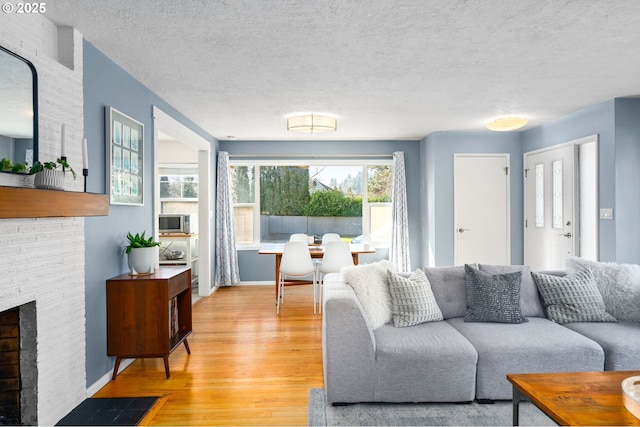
(482, 209)
(550, 229)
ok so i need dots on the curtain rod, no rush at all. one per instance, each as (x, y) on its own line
(312, 156)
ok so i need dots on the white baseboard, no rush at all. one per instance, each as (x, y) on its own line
(257, 283)
(104, 380)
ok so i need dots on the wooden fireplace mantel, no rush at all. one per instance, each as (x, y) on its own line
(20, 202)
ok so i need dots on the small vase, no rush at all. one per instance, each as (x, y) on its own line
(143, 260)
(49, 179)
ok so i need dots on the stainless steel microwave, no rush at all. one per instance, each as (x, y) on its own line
(174, 223)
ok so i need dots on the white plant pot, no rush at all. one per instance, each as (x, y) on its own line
(50, 179)
(143, 260)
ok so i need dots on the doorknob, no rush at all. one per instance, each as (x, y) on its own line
(462, 230)
(567, 235)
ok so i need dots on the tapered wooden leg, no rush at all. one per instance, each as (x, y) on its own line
(115, 368)
(166, 365)
(186, 345)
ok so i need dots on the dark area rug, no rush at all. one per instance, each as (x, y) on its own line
(109, 411)
(420, 414)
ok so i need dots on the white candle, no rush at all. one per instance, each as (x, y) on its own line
(85, 158)
(63, 151)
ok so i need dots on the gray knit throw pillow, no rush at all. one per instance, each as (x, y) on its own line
(493, 298)
(572, 298)
(412, 299)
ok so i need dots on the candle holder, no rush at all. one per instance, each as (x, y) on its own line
(85, 174)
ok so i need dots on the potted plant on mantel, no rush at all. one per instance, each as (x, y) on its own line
(50, 175)
(142, 254)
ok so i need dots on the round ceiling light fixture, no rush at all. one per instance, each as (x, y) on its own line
(311, 123)
(508, 123)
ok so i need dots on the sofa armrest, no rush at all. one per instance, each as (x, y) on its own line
(348, 346)
(346, 317)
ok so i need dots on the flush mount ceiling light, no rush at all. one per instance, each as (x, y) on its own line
(311, 123)
(507, 123)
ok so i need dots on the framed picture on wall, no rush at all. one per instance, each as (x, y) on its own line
(125, 142)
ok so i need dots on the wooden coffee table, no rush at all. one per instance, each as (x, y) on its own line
(575, 398)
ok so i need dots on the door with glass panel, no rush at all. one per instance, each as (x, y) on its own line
(550, 223)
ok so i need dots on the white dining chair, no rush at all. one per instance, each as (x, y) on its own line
(335, 256)
(330, 237)
(299, 237)
(296, 262)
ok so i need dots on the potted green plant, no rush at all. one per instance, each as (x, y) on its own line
(142, 253)
(50, 175)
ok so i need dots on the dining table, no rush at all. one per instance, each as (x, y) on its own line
(316, 251)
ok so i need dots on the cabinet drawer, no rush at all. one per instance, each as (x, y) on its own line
(179, 283)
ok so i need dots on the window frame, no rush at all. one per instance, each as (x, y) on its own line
(362, 162)
(192, 171)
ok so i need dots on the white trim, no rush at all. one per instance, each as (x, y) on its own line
(311, 156)
(255, 283)
(178, 131)
(309, 161)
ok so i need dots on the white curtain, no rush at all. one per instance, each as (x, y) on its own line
(227, 270)
(399, 252)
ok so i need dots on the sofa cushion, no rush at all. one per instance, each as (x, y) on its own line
(412, 299)
(619, 285)
(430, 362)
(492, 298)
(447, 284)
(572, 298)
(538, 345)
(530, 305)
(369, 281)
(620, 342)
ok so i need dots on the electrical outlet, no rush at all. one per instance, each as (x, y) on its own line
(606, 213)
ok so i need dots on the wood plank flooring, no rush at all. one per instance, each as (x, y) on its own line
(247, 365)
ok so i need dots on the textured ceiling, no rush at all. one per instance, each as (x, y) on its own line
(388, 69)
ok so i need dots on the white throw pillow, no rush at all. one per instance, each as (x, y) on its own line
(619, 285)
(369, 281)
(412, 299)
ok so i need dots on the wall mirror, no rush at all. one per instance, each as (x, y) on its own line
(18, 110)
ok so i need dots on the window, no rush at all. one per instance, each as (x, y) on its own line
(273, 200)
(244, 203)
(179, 189)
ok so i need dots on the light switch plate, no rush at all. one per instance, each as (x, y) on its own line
(606, 213)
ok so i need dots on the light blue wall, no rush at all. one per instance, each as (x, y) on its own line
(598, 119)
(617, 124)
(438, 150)
(106, 84)
(627, 178)
(254, 267)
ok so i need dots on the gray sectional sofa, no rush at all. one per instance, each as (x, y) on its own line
(456, 361)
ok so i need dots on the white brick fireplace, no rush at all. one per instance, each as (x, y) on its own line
(42, 259)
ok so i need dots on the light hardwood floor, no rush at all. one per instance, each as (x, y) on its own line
(247, 365)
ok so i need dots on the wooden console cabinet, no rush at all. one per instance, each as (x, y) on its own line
(148, 316)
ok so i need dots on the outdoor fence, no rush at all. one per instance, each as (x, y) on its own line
(279, 228)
